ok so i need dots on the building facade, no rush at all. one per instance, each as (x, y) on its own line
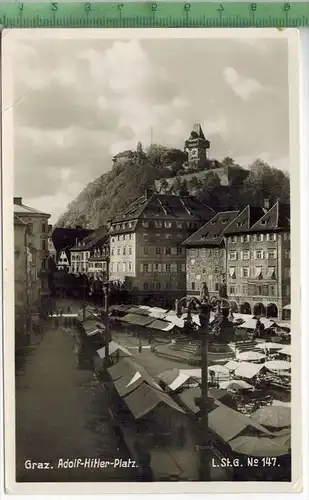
(206, 255)
(51, 247)
(249, 251)
(37, 234)
(90, 256)
(145, 243)
(258, 263)
(22, 281)
(63, 263)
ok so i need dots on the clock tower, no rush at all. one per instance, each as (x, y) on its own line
(196, 148)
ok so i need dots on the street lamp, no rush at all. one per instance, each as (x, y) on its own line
(204, 307)
(106, 322)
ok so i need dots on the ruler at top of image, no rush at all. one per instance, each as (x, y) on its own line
(154, 15)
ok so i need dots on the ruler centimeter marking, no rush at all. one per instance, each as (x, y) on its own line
(154, 15)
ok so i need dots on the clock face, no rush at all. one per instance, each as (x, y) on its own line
(194, 153)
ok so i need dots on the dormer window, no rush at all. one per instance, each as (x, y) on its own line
(124, 225)
(145, 223)
(240, 224)
(167, 224)
(263, 222)
(158, 223)
(213, 222)
(224, 221)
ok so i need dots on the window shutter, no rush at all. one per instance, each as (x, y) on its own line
(275, 237)
(267, 237)
(149, 268)
(241, 272)
(164, 268)
(142, 268)
(242, 255)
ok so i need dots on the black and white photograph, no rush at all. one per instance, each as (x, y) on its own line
(151, 308)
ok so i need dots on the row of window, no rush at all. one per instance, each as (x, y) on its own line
(121, 267)
(122, 251)
(246, 238)
(162, 286)
(163, 268)
(97, 265)
(256, 272)
(271, 253)
(205, 252)
(245, 291)
(148, 268)
(156, 223)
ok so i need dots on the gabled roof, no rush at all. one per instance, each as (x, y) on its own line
(197, 131)
(18, 221)
(93, 239)
(211, 234)
(66, 250)
(145, 399)
(245, 220)
(25, 210)
(277, 217)
(63, 237)
(166, 206)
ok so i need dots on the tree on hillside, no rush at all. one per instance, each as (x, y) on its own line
(265, 182)
(154, 154)
(174, 159)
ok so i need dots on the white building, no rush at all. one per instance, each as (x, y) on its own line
(63, 261)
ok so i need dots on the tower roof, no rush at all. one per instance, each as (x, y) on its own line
(197, 132)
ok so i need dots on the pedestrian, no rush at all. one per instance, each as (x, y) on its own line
(69, 309)
(140, 347)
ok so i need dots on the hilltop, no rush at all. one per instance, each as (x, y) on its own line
(223, 185)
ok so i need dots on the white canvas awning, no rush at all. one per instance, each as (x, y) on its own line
(113, 347)
(248, 370)
(232, 365)
(287, 307)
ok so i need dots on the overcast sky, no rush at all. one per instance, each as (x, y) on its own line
(80, 102)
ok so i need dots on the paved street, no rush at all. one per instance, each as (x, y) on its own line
(61, 412)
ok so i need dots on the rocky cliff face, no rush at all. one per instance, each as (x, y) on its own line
(109, 194)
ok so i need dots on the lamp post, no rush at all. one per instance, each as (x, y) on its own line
(106, 339)
(204, 317)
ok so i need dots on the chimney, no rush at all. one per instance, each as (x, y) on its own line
(18, 201)
(266, 204)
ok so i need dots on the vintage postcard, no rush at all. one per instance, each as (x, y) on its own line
(151, 273)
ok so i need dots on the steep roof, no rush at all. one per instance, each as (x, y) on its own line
(277, 217)
(95, 238)
(63, 237)
(197, 131)
(166, 206)
(211, 234)
(245, 220)
(25, 210)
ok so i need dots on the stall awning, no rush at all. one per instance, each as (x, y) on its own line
(164, 326)
(287, 307)
(145, 398)
(232, 365)
(138, 310)
(228, 423)
(113, 348)
(136, 319)
(248, 370)
(92, 327)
